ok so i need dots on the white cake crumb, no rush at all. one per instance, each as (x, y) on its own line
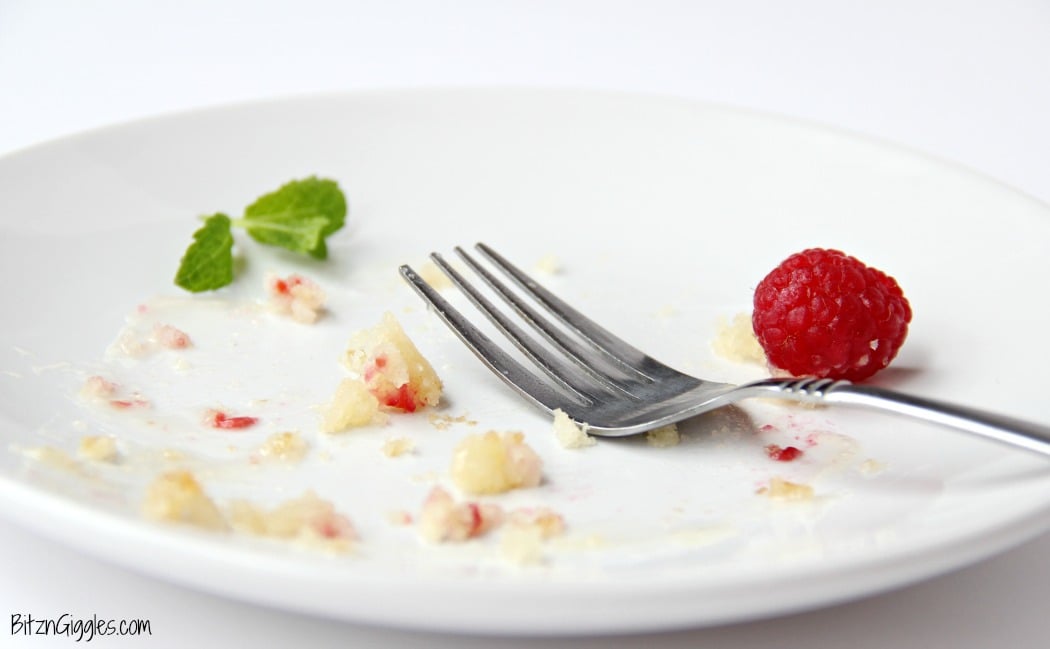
(569, 434)
(309, 520)
(431, 274)
(526, 531)
(871, 467)
(397, 446)
(494, 462)
(522, 545)
(781, 489)
(177, 497)
(736, 341)
(287, 446)
(352, 406)
(56, 458)
(444, 422)
(664, 437)
(443, 519)
(296, 296)
(548, 265)
(98, 448)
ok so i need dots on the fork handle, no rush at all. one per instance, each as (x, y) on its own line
(1001, 428)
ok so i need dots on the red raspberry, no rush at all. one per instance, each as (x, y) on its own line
(823, 313)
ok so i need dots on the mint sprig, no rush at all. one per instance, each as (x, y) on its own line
(208, 262)
(298, 216)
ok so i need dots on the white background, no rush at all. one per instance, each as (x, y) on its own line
(966, 81)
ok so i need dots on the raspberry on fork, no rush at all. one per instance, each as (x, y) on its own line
(824, 313)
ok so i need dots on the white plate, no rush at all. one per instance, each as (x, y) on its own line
(664, 215)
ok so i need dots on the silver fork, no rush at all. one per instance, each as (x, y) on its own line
(615, 389)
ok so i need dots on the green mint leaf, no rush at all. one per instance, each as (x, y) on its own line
(208, 262)
(289, 216)
(292, 231)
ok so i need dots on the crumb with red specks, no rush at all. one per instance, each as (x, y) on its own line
(309, 520)
(178, 497)
(97, 387)
(399, 517)
(127, 404)
(102, 390)
(443, 519)
(169, 337)
(134, 343)
(782, 453)
(296, 296)
(392, 368)
(223, 421)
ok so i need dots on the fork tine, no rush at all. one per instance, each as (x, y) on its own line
(555, 365)
(506, 367)
(625, 355)
(587, 358)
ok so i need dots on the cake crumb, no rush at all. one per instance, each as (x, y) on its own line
(392, 368)
(98, 388)
(287, 446)
(398, 446)
(871, 467)
(736, 341)
(431, 274)
(492, 463)
(664, 436)
(548, 265)
(399, 517)
(352, 406)
(309, 520)
(781, 489)
(443, 519)
(296, 296)
(444, 422)
(98, 448)
(54, 457)
(177, 497)
(169, 337)
(522, 545)
(569, 434)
